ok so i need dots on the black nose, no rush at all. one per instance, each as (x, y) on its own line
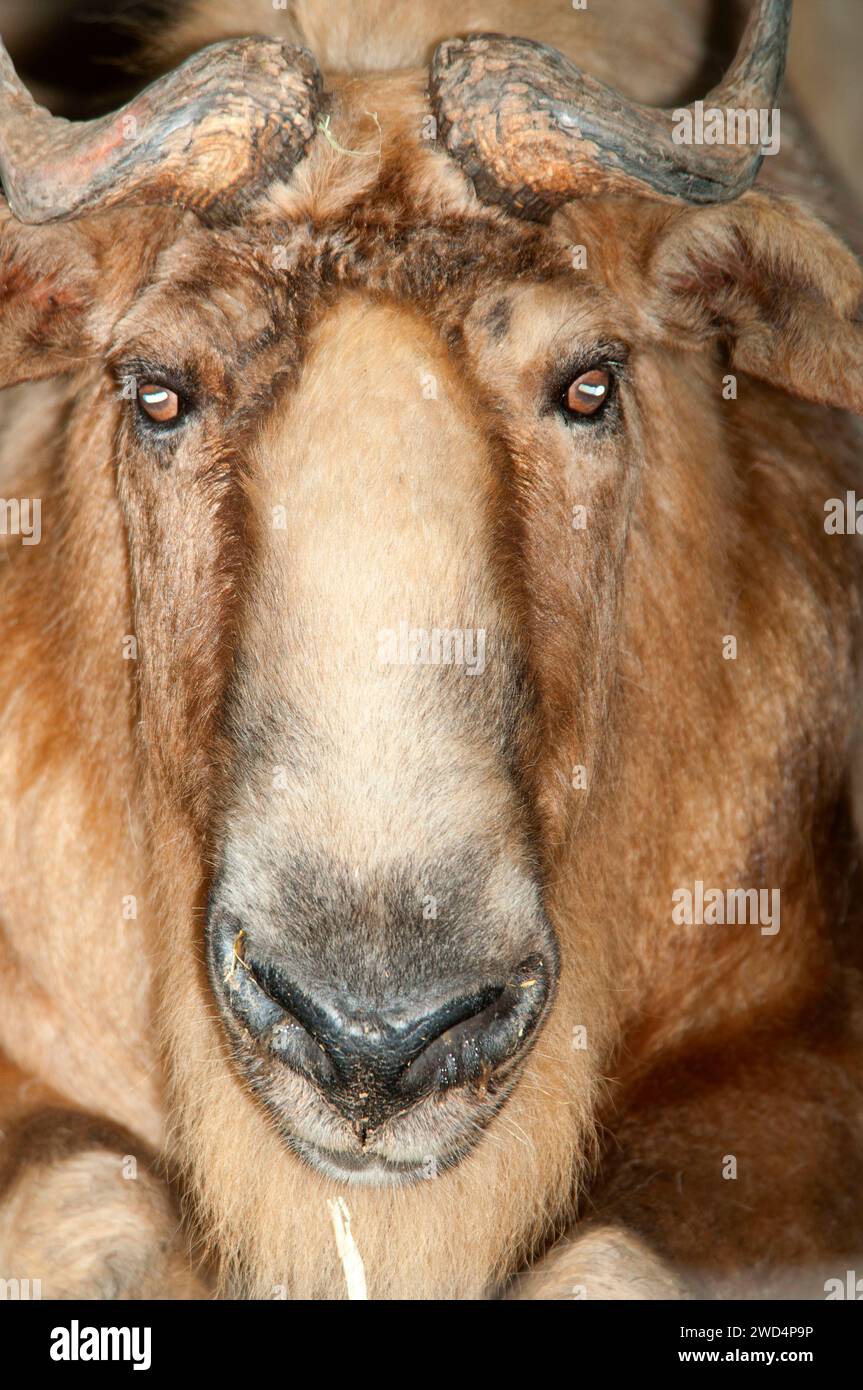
(374, 1061)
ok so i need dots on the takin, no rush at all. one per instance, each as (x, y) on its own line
(336, 974)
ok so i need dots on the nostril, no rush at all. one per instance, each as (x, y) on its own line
(419, 1033)
(234, 980)
(277, 1017)
(474, 1044)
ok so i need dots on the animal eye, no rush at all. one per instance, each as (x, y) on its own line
(588, 394)
(158, 402)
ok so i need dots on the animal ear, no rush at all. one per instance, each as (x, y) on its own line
(48, 279)
(774, 284)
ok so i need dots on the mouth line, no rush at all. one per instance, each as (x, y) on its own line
(369, 1170)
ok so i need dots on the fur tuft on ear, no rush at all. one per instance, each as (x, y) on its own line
(62, 286)
(772, 282)
(47, 284)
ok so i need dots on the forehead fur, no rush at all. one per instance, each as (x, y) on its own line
(375, 137)
(372, 206)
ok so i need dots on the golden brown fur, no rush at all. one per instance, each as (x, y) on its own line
(603, 1172)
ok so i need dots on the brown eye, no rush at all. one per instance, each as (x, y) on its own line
(589, 392)
(160, 403)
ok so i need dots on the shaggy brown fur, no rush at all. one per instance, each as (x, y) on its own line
(304, 336)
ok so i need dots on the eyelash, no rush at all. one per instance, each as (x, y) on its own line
(613, 360)
(140, 373)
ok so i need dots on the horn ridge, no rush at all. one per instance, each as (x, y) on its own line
(206, 136)
(533, 132)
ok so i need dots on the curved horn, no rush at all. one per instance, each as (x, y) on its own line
(205, 136)
(533, 132)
